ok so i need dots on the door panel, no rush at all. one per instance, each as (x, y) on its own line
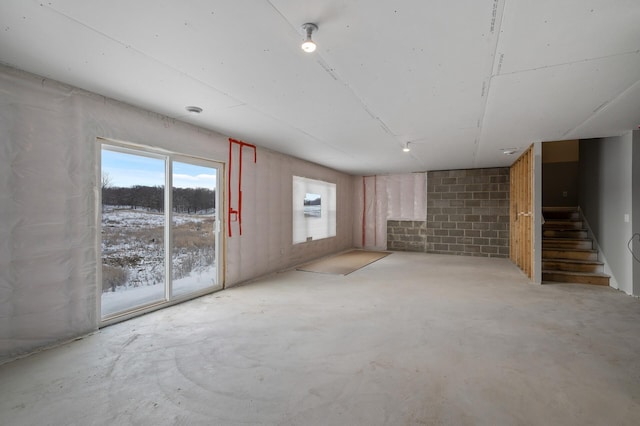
(194, 228)
(133, 221)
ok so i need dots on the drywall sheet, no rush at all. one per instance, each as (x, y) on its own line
(390, 197)
(606, 195)
(49, 221)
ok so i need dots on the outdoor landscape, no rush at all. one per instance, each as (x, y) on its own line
(312, 205)
(133, 244)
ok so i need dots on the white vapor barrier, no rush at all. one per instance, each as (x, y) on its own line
(407, 196)
(371, 212)
(266, 244)
(387, 197)
(49, 220)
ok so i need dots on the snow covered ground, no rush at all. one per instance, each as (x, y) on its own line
(133, 256)
(128, 297)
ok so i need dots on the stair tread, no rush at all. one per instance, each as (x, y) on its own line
(564, 239)
(588, 274)
(569, 249)
(559, 209)
(576, 261)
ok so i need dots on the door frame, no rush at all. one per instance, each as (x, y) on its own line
(219, 227)
(526, 188)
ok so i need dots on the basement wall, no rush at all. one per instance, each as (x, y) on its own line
(378, 199)
(468, 212)
(49, 223)
(606, 187)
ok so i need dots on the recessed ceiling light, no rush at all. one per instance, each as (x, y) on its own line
(406, 148)
(509, 151)
(194, 109)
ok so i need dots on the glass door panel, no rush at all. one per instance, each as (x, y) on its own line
(194, 227)
(133, 222)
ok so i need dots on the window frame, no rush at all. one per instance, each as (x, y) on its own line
(306, 229)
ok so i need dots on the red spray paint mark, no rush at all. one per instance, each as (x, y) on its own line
(235, 215)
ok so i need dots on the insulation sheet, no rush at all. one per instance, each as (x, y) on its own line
(389, 197)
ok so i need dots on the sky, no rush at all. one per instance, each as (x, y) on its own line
(126, 170)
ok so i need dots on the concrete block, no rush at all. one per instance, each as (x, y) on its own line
(498, 242)
(481, 226)
(465, 180)
(458, 173)
(481, 179)
(473, 188)
(481, 195)
(489, 234)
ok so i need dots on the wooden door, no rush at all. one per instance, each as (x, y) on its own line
(522, 212)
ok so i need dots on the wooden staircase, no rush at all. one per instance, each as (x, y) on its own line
(568, 255)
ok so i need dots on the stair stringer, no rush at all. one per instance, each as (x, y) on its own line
(601, 257)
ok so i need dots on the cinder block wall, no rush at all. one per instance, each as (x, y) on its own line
(407, 235)
(468, 212)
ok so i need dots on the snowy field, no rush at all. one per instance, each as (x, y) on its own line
(127, 297)
(133, 256)
(312, 211)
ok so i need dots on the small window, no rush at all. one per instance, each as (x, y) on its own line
(314, 209)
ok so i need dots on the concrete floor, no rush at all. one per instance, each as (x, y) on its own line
(411, 339)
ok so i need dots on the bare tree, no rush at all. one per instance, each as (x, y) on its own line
(106, 180)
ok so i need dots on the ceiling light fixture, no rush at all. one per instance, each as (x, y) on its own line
(308, 45)
(193, 109)
(406, 148)
(509, 151)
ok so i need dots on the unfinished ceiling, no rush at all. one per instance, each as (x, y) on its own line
(461, 81)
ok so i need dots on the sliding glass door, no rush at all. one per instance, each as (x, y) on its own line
(194, 227)
(158, 246)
